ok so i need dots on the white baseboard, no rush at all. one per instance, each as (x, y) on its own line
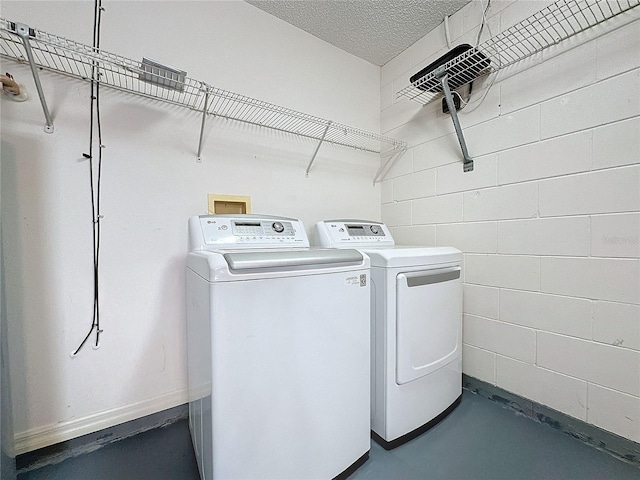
(49, 435)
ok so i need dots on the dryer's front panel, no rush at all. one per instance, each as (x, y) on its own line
(428, 321)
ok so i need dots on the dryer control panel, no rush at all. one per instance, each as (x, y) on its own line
(355, 233)
(223, 232)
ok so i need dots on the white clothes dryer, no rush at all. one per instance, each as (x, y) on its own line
(278, 351)
(416, 330)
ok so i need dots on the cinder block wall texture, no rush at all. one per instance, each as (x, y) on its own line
(548, 221)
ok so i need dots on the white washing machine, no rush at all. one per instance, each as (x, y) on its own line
(278, 351)
(416, 331)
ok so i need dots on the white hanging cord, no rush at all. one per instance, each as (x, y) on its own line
(447, 34)
(476, 104)
(463, 103)
(484, 21)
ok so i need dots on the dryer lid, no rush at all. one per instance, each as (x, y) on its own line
(412, 256)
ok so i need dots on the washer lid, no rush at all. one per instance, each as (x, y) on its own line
(412, 256)
(241, 264)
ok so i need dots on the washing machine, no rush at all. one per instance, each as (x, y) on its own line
(278, 351)
(416, 328)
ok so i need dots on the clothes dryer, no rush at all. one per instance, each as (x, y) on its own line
(416, 329)
(278, 351)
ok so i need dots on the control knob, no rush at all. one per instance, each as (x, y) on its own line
(375, 230)
(277, 227)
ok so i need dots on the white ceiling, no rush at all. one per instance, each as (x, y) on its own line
(374, 30)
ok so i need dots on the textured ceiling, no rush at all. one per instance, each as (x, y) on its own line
(374, 30)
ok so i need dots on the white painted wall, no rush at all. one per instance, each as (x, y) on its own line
(549, 220)
(151, 185)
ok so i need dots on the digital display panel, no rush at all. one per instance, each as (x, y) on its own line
(356, 230)
(365, 230)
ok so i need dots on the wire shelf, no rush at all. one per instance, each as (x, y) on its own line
(70, 58)
(545, 28)
(67, 57)
(256, 112)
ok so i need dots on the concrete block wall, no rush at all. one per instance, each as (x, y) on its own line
(549, 220)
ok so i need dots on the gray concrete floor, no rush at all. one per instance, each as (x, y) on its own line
(478, 440)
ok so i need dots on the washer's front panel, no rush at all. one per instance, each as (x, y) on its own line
(290, 376)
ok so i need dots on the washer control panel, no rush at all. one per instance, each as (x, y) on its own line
(245, 231)
(338, 233)
(262, 229)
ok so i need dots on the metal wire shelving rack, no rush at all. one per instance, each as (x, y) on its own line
(549, 26)
(42, 50)
(461, 66)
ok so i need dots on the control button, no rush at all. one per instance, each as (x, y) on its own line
(375, 230)
(277, 227)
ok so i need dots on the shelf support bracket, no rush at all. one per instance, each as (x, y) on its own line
(204, 120)
(23, 32)
(313, 158)
(396, 153)
(441, 74)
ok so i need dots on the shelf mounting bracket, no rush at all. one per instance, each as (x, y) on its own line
(394, 155)
(206, 90)
(441, 74)
(23, 32)
(313, 158)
